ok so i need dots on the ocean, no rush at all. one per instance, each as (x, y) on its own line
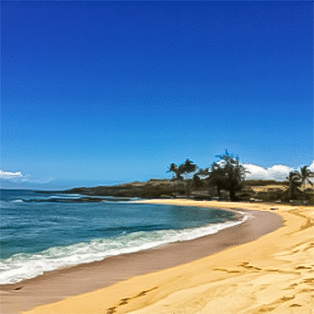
(42, 232)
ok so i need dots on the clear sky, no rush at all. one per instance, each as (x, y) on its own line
(98, 92)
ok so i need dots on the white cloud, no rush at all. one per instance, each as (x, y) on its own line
(276, 172)
(279, 172)
(7, 175)
(255, 172)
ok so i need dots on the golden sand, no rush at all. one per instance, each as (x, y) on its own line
(273, 274)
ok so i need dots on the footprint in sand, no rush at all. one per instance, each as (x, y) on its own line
(306, 290)
(291, 286)
(295, 305)
(309, 281)
(111, 310)
(285, 299)
(229, 271)
(124, 301)
(266, 309)
(303, 267)
(142, 293)
(250, 267)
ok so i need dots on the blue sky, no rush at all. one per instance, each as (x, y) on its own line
(106, 92)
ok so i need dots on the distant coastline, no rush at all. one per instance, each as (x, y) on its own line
(269, 191)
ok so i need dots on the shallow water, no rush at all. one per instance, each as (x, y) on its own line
(44, 236)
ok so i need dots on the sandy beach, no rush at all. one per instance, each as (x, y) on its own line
(264, 265)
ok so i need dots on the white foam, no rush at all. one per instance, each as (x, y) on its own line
(24, 266)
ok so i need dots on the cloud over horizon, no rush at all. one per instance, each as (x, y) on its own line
(275, 172)
(7, 175)
(19, 178)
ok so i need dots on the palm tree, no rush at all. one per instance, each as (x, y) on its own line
(227, 174)
(187, 168)
(305, 175)
(177, 176)
(177, 171)
(295, 181)
(184, 169)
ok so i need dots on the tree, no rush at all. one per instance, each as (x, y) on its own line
(306, 174)
(177, 171)
(298, 179)
(202, 175)
(295, 181)
(177, 176)
(188, 167)
(197, 182)
(227, 174)
(184, 169)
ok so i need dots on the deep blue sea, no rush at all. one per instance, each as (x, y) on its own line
(43, 236)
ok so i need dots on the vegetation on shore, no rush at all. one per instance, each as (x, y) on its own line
(223, 179)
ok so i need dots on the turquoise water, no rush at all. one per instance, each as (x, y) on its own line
(38, 234)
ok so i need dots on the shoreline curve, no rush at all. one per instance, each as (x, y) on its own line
(78, 280)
